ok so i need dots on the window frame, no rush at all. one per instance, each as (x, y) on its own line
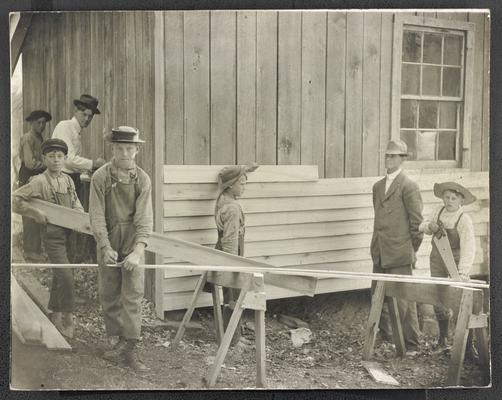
(464, 135)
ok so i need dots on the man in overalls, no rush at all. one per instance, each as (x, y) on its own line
(120, 210)
(30, 155)
(55, 187)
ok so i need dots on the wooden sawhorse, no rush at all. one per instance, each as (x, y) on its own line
(466, 303)
(252, 296)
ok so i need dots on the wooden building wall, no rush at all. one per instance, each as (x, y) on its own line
(276, 87)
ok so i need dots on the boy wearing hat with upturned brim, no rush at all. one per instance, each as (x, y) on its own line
(451, 218)
(121, 215)
(56, 187)
(396, 237)
(32, 164)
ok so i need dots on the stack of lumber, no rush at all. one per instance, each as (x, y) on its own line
(295, 220)
(29, 323)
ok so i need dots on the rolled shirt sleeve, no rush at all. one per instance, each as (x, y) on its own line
(70, 133)
(424, 226)
(465, 230)
(97, 209)
(29, 157)
(143, 218)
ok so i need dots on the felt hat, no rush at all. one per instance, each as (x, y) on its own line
(88, 101)
(54, 144)
(439, 189)
(231, 174)
(397, 146)
(34, 115)
(123, 134)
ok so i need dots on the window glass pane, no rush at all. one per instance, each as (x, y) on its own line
(431, 81)
(428, 115)
(451, 82)
(432, 48)
(410, 79)
(426, 145)
(412, 46)
(446, 146)
(452, 49)
(409, 137)
(448, 115)
(409, 109)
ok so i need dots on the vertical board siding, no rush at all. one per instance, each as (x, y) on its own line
(246, 87)
(313, 107)
(266, 87)
(353, 94)
(371, 94)
(289, 87)
(276, 87)
(196, 81)
(223, 87)
(335, 95)
(173, 37)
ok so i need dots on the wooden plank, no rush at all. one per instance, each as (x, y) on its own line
(397, 48)
(97, 145)
(223, 87)
(397, 329)
(407, 18)
(478, 321)
(371, 93)
(477, 91)
(196, 80)
(144, 158)
(323, 187)
(34, 289)
(259, 319)
(289, 87)
(107, 110)
(379, 374)
(174, 94)
(266, 86)
(246, 87)
(131, 69)
(385, 85)
(52, 339)
(313, 80)
(265, 173)
(452, 16)
(217, 313)
(468, 97)
(118, 98)
(354, 94)
(486, 95)
(17, 39)
(377, 300)
(335, 94)
(460, 339)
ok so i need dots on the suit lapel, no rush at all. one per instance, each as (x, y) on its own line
(394, 185)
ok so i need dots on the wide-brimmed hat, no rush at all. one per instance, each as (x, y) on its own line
(231, 174)
(34, 115)
(54, 144)
(88, 101)
(439, 189)
(123, 134)
(397, 146)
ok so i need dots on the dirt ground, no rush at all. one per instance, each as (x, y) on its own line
(332, 360)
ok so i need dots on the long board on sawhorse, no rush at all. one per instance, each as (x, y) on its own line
(465, 302)
(252, 296)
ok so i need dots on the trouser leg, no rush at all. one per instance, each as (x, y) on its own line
(109, 285)
(62, 296)
(442, 312)
(32, 241)
(132, 293)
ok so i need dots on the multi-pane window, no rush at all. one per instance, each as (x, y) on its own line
(432, 92)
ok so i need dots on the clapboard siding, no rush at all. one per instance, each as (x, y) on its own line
(277, 87)
(300, 223)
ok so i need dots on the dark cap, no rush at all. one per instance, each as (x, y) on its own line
(54, 144)
(124, 134)
(34, 115)
(88, 101)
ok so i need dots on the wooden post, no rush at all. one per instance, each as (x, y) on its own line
(460, 340)
(188, 314)
(218, 317)
(397, 329)
(373, 319)
(259, 320)
(227, 338)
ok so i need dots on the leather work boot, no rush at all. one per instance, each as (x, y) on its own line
(117, 351)
(443, 334)
(132, 358)
(68, 325)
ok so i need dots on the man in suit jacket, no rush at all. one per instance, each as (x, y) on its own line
(396, 238)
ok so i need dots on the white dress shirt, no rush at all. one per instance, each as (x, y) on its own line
(69, 131)
(390, 178)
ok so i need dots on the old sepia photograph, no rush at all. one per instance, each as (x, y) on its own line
(250, 199)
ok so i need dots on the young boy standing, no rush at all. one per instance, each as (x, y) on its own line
(55, 187)
(120, 210)
(451, 217)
